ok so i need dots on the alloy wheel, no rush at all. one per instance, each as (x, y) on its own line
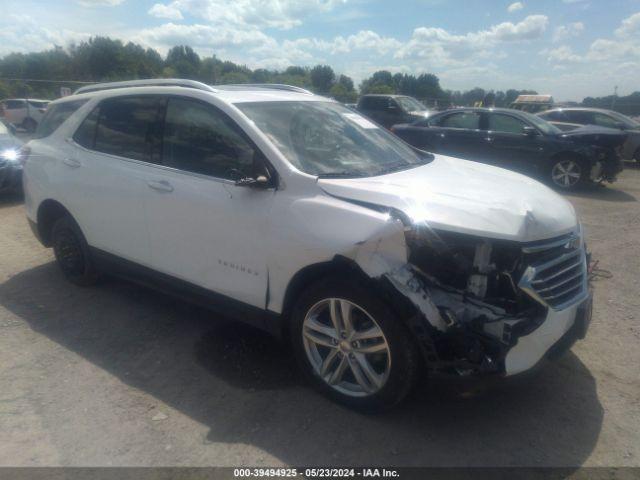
(566, 173)
(346, 347)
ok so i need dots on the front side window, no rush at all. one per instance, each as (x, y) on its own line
(201, 139)
(129, 126)
(410, 104)
(328, 139)
(505, 124)
(581, 117)
(14, 104)
(466, 120)
(56, 116)
(605, 121)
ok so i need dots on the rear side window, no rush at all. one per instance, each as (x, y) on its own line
(14, 104)
(129, 127)
(555, 116)
(375, 103)
(201, 139)
(466, 120)
(56, 115)
(505, 124)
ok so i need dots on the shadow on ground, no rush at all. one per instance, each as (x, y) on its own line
(244, 386)
(10, 199)
(607, 193)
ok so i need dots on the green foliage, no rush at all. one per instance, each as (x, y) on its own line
(322, 78)
(102, 59)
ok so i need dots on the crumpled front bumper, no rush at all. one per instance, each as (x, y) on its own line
(556, 334)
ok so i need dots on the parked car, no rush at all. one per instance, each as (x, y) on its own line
(10, 159)
(24, 112)
(388, 110)
(522, 142)
(572, 118)
(291, 212)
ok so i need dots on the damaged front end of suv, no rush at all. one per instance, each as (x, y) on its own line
(481, 304)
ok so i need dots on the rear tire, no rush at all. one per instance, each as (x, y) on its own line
(568, 172)
(371, 364)
(72, 253)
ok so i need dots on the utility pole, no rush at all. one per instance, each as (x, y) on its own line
(615, 97)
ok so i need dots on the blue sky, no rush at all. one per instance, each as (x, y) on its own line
(569, 48)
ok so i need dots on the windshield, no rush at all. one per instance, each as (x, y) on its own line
(546, 127)
(626, 121)
(410, 104)
(327, 139)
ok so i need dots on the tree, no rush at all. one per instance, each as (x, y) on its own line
(184, 61)
(322, 77)
(342, 94)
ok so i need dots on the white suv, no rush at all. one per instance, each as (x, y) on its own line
(287, 210)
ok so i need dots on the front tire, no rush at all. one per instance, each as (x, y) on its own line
(352, 347)
(567, 173)
(72, 253)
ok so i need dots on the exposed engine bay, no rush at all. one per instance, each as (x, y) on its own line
(476, 295)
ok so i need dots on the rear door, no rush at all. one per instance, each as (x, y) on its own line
(381, 110)
(509, 145)
(106, 174)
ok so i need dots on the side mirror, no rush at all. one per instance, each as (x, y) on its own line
(261, 181)
(621, 126)
(530, 131)
(392, 106)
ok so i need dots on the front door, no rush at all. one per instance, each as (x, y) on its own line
(203, 228)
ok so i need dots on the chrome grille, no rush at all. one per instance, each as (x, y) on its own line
(557, 273)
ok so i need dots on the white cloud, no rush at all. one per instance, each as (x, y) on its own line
(563, 32)
(165, 11)
(21, 33)
(514, 7)
(100, 3)
(563, 54)
(441, 46)
(630, 27)
(282, 14)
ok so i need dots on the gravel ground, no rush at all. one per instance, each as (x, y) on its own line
(120, 375)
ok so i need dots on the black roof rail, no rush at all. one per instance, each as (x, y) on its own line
(154, 82)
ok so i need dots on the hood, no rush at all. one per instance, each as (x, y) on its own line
(467, 197)
(593, 135)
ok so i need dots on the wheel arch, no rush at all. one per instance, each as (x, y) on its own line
(49, 212)
(347, 268)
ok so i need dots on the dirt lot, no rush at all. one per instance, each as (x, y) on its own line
(120, 375)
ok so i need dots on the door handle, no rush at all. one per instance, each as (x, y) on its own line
(160, 186)
(72, 162)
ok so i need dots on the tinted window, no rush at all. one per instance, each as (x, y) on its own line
(14, 104)
(201, 139)
(55, 116)
(38, 104)
(375, 103)
(605, 120)
(86, 133)
(505, 124)
(467, 120)
(555, 116)
(129, 126)
(581, 117)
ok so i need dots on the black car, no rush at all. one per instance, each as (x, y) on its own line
(10, 159)
(388, 110)
(522, 142)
